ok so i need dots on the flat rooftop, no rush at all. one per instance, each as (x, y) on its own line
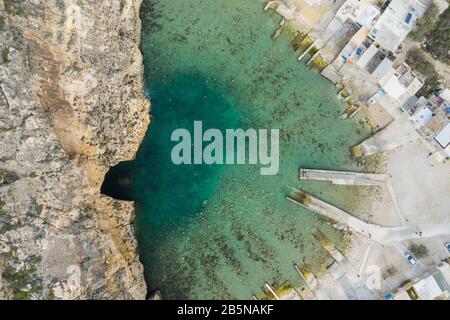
(443, 137)
(396, 22)
(361, 12)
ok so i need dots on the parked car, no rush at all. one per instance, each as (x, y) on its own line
(447, 245)
(410, 258)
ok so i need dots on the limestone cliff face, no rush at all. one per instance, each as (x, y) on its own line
(71, 106)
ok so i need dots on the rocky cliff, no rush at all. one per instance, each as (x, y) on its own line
(71, 106)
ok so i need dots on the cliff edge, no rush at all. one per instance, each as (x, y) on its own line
(71, 106)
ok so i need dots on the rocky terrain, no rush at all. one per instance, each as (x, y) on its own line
(71, 106)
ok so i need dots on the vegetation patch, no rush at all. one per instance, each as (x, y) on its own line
(426, 24)
(10, 226)
(438, 38)
(318, 63)
(390, 272)
(418, 250)
(2, 23)
(303, 46)
(14, 7)
(5, 55)
(297, 41)
(7, 177)
(20, 282)
(418, 60)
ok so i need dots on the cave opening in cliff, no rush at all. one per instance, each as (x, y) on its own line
(224, 231)
(117, 183)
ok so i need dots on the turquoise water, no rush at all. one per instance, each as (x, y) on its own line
(223, 231)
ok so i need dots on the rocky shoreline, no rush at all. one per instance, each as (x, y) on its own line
(71, 106)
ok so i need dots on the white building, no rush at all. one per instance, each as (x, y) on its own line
(443, 138)
(400, 84)
(361, 12)
(423, 116)
(430, 287)
(396, 23)
(402, 87)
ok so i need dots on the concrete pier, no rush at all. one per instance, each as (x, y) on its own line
(327, 210)
(280, 28)
(312, 58)
(382, 235)
(395, 135)
(343, 177)
(311, 282)
(328, 246)
(354, 178)
(282, 9)
(307, 50)
(268, 287)
(351, 111)
(283, 292)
